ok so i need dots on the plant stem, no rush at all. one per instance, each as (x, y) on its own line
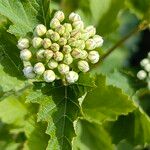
(137, 29)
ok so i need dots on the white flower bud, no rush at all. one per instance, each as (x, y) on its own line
(68, 59)
(141, 75)
(83, 66)
(72, 42)
(39, 68)
(52, 64)
(60, 29)
(62, 41)
(68, 27)
(83, 54)
(37, 42)
(74, 17)
(80, 44)
(66, 35)
(99, 40)
(28, 72)
(40, 54)
(63, 68)
(91, 30)
(55, 47)
(55, 36)
(23, 43)
(144, 62)
(59, 15)
(147, 67)
(93, 57)
(54, 23)
(46, 43)
(48, 54)
(75, 34)
(58, 56)
(76, 53)
(25, 55)
(90, 44)
(67, 49)
(49, 33)
(40, 30)
(85, 36)
(78, 25)
(49, 76)
(72, 77)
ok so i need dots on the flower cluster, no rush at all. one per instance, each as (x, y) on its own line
(60, 52)
(144, 74)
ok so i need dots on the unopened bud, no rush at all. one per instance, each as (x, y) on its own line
(144, 62)
(63, 68)
(28, 72)
(76, 53)
(85, 36)
(68, 27)
(25, 55)
(37, 42)
(26, 63)
(48, 54)
(93, 57)
(23, 43)
(83, 54)
(67, 49)
(40, 54)
(54, 23)
(99, 40)
(78, 25)
(49, 76)
(40, 30)
(147, 67)
(59, 15)
(66, 35)
(83, 66)
(68, 59)
(91, 30)
(52, 64)
(75, 34)
(55, 36)
(72, 42)
(74, 17)
(72, 77)
(49, 33)
(62, 41)
(80, 44)
(39, 68)
(60, 29)
(141, 75)
(58, 56)
(55, 47)
(90, 44)
(46, 43)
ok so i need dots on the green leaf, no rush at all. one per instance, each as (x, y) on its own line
(59, 107)
(106, 102)
(134, 128)
(22, 14)
(88, 139)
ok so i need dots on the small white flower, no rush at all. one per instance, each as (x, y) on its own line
(91, 30)
(54, 23)
(141, 74)
(66, 35)
(72, 42)
(144, 62)
(23, 43)
(37, 42)
(40, 54)
(90, 44)
(49, 33)
(83, 54)
(76, 53)
(147, 67)
(63, 68)
(59, 15)
(58, 56)
(68, 27)
(40, 30)
(28, 72)
(55, 47)
(55, 36)
(62, 41)
(93, 57)
(46, 43)
(52, 64)
(72, 77)
(60, 29)
(49, 76)
(74, 17)
(48, 54)
(67, 49)
(99, 40)
(78, 25)
(80, 44)
(68, 59)
(39, 68)
(75, 33)
(83, 66)
(25, 55)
